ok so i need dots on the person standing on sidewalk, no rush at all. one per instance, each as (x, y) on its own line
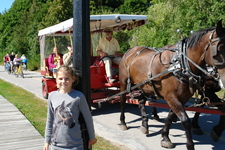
(63, 130)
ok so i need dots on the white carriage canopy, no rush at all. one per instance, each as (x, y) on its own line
(97, 23)
(118, 22)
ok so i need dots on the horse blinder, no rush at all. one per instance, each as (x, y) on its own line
(214, 52)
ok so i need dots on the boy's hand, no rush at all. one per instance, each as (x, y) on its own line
(92, 142)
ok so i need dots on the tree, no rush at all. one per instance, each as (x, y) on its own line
(58, 11)
(133, 7)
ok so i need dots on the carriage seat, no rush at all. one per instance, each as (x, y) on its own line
(99, 65)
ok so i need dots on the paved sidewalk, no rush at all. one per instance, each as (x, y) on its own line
(16, 132)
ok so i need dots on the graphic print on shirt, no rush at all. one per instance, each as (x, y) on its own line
(62, 116)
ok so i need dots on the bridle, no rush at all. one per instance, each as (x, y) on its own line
(64, 119)
(213, 48)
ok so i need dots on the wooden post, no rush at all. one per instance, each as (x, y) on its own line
(81, 51)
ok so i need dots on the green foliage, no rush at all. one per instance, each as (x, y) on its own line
(58, 11)
(133, 7)
(123, 38)
(166, 16)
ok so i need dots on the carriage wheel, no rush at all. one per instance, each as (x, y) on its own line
(44, 90)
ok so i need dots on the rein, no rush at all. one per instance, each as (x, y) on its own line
(64, 119)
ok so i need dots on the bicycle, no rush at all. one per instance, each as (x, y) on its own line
(19, 71)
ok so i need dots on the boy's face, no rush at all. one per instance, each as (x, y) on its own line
(64, 81)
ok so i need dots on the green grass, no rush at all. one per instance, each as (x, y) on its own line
(35, 110)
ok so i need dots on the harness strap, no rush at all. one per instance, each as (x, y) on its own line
(197, 66)
(133, 87)
(128, 68)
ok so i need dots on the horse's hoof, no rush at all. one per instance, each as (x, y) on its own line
(174, 120)
(123, 127)
(156, 118)
(197, 131)
(167, 144)
(214, 136)
(143, 130)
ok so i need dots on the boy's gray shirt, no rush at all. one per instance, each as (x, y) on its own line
(57, 132)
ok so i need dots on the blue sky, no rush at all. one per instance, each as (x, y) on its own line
(5, 4)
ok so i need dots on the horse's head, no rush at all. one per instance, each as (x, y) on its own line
(66, 115)
(216, 50)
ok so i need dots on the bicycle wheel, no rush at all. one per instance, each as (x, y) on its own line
(9, 71)
(44, 90)
(16, 72)
(24, 67)
(13, 71)
(21, 72)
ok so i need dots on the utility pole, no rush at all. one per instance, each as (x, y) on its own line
(81, 52)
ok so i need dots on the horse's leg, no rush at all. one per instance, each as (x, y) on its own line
(186, 123)
(165, 142)
(144, 126)
(154, 114)
(123, 85)
(123, 125)
(218, 129)
(154, 110)
(196, 129)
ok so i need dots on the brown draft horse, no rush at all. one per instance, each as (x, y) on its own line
(211, 86)
(151, 69)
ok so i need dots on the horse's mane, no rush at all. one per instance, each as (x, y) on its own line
(193, 40)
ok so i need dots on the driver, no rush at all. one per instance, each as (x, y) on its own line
(109, 50)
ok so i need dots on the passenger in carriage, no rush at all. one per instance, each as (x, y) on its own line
(68, 57)
(109, 50)
(54, 59)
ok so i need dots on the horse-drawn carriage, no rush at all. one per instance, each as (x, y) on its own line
(60, 35)
(172, 74)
